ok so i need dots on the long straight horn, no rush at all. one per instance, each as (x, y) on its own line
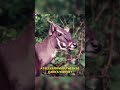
(50, 21)
(56, 26)
(66, 29)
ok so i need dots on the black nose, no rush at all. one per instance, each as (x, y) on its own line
(75, 45)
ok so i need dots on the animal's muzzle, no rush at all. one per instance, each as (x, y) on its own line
(75, 45)
(72, 45)
(66, 45)
(92, 48)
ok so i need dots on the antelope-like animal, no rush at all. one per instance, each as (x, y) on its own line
(58, 38)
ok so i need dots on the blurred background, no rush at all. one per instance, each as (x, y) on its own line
(14, 16)
(62, 83)
(60, 7)
(102, 71)
(103, 17)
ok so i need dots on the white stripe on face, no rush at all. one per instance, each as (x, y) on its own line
(60, 45)
(70, 43)
(59, 31)
(64, 44)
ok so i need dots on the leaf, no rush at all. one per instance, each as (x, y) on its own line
(83, 59)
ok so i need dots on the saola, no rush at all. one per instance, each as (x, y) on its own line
(58, 38)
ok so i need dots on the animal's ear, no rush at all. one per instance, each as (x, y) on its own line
(51, 29)
(66, 29)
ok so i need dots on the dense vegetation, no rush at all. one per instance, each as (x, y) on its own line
(60, 7)
(76, 25)
(102, 72)
(14, 16)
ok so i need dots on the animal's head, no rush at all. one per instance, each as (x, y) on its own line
(62, 36)
(92, 45)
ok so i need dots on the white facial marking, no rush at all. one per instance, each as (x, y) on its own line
(70, 43)
(72, 46)
(63, 44)
(67, 29)
(60, 45)
(59, 31)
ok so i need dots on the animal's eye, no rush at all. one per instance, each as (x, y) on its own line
(59, 34)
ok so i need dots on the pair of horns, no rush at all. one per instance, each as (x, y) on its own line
(65, 28)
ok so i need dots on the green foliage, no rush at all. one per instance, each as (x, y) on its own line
(16, 12)
(62, 83)
(66, 20)
(60, 7)
(14, 16)
(83, 59)
(70, 20)
(7, 34)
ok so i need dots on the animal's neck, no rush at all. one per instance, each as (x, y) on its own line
(46, 50)
(52, 46)
(52, 42)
